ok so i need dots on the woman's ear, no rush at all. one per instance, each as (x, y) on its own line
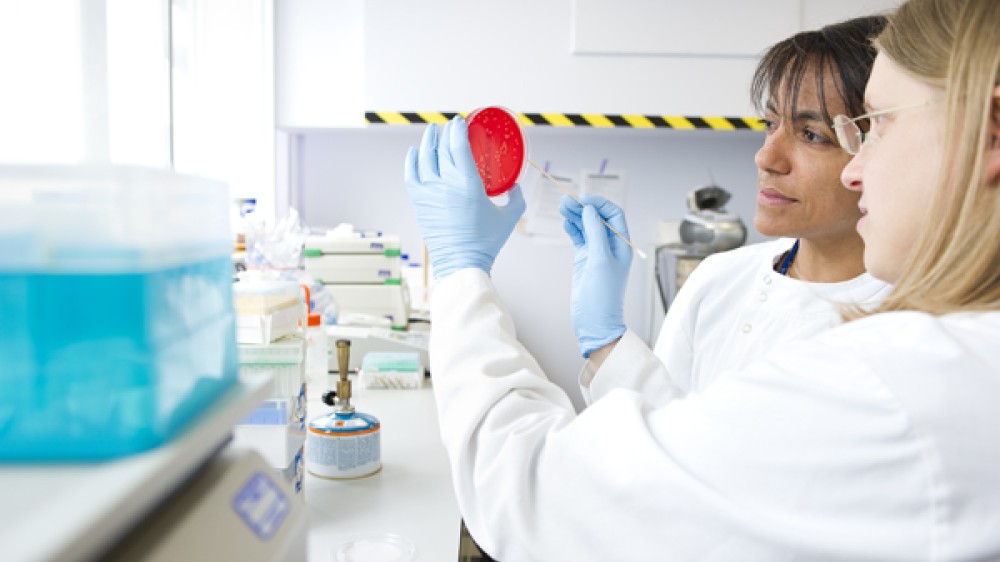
(993, 148)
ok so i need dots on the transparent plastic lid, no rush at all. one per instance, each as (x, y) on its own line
(276, 287)
(108, 218)
(288, 350)
(381, 547)
(385, 361)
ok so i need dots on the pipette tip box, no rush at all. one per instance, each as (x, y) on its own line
(267, 311)
(395, 369)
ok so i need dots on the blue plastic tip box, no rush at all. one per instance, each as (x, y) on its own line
(116, 314)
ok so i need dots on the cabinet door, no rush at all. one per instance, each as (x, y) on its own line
(456, 56)
(319, 62)
(679, 28)
(647, 57)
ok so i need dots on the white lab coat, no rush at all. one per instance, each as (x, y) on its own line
(734, 308)
(876, 440)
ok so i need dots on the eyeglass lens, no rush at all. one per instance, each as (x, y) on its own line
(848, 134)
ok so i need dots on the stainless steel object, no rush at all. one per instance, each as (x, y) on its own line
(708, 227)
(674, 263)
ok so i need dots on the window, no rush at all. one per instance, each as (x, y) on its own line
(41, 103)
(187, 84)
(223, 86)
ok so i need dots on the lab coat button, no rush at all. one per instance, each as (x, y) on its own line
(762, 296)
(767, 279)
(747, 328)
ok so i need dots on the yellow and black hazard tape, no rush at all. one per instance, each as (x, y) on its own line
(579, 120)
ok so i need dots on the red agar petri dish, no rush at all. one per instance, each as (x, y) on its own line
(498, 148)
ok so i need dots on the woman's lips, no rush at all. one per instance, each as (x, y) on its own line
(768, 196)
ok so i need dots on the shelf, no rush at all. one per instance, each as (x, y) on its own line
(593, 120)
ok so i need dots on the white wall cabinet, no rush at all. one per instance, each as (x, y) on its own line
(319, 63)
(654, 57)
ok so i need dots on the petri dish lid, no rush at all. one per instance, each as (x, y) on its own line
(498, 147)
(380, 547)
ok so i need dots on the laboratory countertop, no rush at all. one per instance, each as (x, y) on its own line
(411, 496)
(69, 512)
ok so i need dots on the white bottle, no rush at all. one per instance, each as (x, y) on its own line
(317, 359)
(413, 273)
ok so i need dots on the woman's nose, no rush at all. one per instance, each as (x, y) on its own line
(772, 156)
(851, 175)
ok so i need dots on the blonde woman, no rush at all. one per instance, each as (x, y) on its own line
(875, 440)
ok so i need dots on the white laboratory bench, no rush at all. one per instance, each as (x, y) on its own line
(411, 496)
(76, 512)
(70, 512)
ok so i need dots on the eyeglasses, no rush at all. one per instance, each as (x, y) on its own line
(851, 137)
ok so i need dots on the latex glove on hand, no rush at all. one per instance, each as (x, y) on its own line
(600, 270)
(461, 226)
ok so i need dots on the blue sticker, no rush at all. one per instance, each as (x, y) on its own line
(299, 465)
(262, 505)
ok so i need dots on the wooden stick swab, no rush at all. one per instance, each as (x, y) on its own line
(572, 195)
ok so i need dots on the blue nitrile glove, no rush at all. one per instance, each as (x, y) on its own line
(600, 270)
(461, 226)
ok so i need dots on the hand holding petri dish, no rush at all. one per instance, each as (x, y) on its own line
(501, 154)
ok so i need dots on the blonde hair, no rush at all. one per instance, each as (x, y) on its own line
(955, 261)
